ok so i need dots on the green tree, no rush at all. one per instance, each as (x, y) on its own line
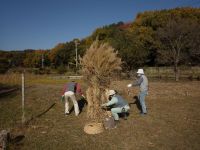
(4, 65)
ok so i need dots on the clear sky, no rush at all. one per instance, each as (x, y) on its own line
(41, 24)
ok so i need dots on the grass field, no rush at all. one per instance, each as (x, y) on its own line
(173, 121)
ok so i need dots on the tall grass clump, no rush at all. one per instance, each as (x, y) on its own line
(98, 66)
(10, 79)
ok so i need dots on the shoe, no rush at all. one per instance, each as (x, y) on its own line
(76, 114)
(143, 114)
(66, 114)
(116, 122)
(125, 116)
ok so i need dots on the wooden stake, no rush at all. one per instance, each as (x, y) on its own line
(23, 112)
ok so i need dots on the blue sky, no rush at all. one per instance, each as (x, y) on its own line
(41, 24)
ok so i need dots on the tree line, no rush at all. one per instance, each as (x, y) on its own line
(155, 38)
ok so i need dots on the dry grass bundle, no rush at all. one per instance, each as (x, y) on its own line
(93, 128)
(10, 79)
(98, 65)
(100, 62)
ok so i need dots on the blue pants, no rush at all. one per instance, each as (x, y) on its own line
(141, 97)
(117, 110)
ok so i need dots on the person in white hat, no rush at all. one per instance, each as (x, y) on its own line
(143, 83)
(118, 104)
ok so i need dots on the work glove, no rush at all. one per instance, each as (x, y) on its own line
(83, 96)
(62, 98)
(129, 85)
(103, 105)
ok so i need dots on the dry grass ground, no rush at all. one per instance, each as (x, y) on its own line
(173, 121)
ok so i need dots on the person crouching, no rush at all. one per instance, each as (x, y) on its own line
(118, 104)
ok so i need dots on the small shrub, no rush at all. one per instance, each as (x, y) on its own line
(36, 71)
(4, 65)
(61, 69)
(198, 78)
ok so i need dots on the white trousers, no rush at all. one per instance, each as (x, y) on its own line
(71, 95)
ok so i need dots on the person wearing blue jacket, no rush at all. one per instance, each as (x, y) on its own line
(142, 82)
(118, 104)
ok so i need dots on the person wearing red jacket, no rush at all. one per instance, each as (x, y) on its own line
(69, 91)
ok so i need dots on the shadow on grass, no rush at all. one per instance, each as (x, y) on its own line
(8, 91)
(137, 103)
(5, 96)
(81, 103)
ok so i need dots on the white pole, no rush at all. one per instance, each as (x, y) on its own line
(23, 112)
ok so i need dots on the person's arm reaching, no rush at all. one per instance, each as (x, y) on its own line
(138, 82)
(64, 89)
(78, 90)
(113, 101)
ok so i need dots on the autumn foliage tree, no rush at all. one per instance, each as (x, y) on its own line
(34, 59)
(145, 41)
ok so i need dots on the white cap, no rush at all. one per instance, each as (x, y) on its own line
(140, 71)
(111, 92)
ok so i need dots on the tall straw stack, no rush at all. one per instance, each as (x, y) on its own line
(98, 66)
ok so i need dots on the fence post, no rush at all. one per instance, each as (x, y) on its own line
(23, 111)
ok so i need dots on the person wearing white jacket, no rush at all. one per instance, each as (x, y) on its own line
(143, 83)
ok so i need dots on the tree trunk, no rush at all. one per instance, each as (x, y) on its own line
(4, 137)
(176, 72)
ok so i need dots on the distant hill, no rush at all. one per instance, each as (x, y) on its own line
(138, 42)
